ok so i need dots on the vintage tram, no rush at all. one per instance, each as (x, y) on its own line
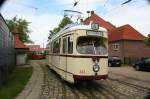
(79, 52)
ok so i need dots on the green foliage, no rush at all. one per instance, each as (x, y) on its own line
(55, 30)
(66, 20)
(21, 26)
(15, 83)
(147, 40)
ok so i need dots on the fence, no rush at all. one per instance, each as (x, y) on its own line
(7, 53)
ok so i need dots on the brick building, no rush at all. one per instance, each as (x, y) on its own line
(127, 43)
(124, 42)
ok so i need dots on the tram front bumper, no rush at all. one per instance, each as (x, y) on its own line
(96, 77)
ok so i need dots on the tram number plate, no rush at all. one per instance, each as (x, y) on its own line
(82, 72)
(94, 33)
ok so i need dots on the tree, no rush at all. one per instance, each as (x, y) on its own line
(55, 30)
(20, 26)
(66, 20)
(147, 40)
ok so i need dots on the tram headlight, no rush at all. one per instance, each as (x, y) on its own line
(96, 68)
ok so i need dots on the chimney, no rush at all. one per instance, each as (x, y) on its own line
(81, 20)
(92, 12)
(88, 12)
(16, 35)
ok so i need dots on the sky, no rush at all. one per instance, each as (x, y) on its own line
(44, 15)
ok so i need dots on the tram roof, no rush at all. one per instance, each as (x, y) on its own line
(72, 27)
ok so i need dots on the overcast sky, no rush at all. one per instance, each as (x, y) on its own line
(49, 13)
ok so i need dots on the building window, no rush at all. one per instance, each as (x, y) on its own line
(115, 46)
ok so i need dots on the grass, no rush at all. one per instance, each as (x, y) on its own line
(15, 83)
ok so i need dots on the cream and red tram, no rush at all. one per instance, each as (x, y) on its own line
(79, 52)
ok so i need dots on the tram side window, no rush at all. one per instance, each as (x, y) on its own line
(70, 45)
(51, 48)
(59, 43)
(64, 45)
(56, 47)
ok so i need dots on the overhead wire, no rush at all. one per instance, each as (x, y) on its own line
(26, 5)
(119, 7)
(126, 2)
(106, 2)
(76, 3)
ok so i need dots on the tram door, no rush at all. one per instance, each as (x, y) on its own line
(64, 58)
(67, 49)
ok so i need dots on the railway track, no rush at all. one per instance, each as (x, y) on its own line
(131, 81)
(131, 90)
(144, 89)
(55, 87)
(127, 77)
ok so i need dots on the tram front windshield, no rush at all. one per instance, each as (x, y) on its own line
(91, 45)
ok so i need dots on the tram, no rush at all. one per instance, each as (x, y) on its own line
(79, 53)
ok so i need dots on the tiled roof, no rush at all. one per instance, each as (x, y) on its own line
(125, 32)
(17, 42)
(99, 20)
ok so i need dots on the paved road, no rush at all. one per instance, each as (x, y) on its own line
(128, 74)
(33, 88)
(123, 83)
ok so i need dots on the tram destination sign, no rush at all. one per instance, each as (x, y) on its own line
(94, 33)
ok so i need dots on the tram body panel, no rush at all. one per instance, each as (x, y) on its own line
(84, 66)
(63, 66)
(55, 61)
(70, 66)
